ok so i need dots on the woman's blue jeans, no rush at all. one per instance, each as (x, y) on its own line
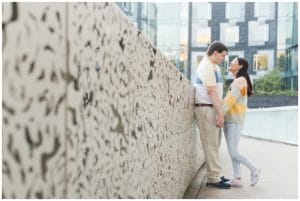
(232, 133)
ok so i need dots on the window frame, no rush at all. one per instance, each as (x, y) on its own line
(230, 8)
(255, 62)
(260, 9)
(253, 34)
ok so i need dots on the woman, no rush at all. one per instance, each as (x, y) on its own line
(234, 107)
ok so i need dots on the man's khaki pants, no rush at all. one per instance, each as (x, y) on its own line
(210, 138)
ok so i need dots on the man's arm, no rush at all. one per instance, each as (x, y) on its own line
(213, 94)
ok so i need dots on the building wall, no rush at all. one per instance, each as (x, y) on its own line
(217, 12)
(90, 108)
(244, 47)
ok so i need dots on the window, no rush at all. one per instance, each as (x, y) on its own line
(203, 35)
(229, 33)
(196, 59)
(152, 11)
(235, 11)
(292, 59)
(168, 35)
(285, 9)
(134, 9)
(232, 34)
(201, 32)
(201, 11)
(144, 11)
(281, 59)
(260, 62)
(296, 83)
(284, 33)
(183, 55)
(261, 35)
(287, 23)
(264, 11)
(231, 55)
(229, 59)
(172, 32)
(258, 33)
(126, 6)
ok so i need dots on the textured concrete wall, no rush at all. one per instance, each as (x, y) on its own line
(33, 100)
(91, 109)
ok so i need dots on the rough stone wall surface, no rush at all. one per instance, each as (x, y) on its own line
(91, 109)
(34, 99)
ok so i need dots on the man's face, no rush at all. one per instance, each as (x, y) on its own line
(219, 57)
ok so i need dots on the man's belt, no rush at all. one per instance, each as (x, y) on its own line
(203, 105)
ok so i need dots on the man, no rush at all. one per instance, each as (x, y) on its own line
(208, 110)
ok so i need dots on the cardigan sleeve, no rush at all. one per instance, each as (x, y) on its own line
(236, 90)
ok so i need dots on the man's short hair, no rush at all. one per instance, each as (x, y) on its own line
(216, 46)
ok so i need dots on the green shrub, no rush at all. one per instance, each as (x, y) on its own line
(271, 84)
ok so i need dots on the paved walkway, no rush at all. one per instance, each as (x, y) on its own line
(279, 178)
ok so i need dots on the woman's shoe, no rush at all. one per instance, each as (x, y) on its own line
(236, 183)
(255, 177)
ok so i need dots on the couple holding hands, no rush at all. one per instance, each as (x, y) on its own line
(213, 113)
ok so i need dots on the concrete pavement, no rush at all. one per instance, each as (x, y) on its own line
(279, 177)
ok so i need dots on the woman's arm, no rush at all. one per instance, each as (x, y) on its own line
(237, 89)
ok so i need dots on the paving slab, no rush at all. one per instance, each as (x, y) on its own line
(279, 177)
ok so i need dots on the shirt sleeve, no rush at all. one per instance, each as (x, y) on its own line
(207, 76)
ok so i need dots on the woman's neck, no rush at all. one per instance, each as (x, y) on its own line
(234, 73)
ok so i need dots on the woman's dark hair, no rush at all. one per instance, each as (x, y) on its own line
(216, 46)
(244, 72)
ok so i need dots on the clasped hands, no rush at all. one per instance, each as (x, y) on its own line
(220, 120)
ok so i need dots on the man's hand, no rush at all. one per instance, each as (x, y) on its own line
(212, 93)
(220, 120)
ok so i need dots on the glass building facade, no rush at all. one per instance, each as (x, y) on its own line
(172, 32)
(143, 16)
(265, 33)
(166, 25)
(287, 44)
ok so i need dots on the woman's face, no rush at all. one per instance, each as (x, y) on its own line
(234, 65)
